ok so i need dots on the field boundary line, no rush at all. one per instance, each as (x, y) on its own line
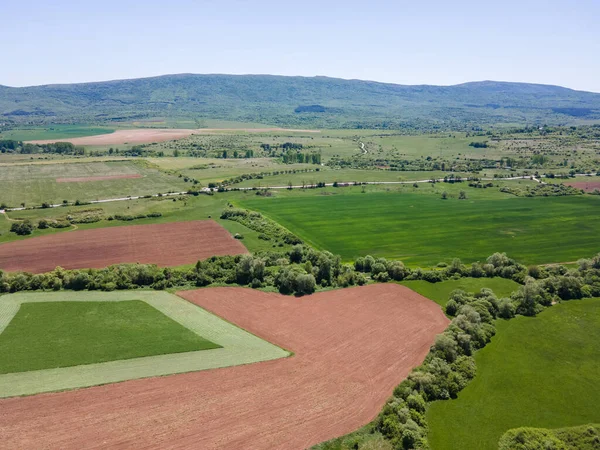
(239, 346)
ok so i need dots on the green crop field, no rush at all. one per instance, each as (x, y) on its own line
(52, 341)
(439, 292)
(55, 132)
(63, 334)
(424, 229)
(537, 372)
(36, 183)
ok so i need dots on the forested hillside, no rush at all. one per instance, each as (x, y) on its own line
(294, 101)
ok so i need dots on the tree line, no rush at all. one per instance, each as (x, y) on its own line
(450, 365)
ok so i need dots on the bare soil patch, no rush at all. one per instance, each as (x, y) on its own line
(101, 178)
(351, 347)
(149, 135)
(119, 137)
(587, 186)
(255, 130)
(166, 244)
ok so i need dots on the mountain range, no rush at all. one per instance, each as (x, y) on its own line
(294, 101)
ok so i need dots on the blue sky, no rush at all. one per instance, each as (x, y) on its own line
(416, 42)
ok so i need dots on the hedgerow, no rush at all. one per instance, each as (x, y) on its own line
(449, 366)
(257, 222)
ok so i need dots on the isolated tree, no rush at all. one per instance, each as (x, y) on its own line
(462, 195)
(444, 195)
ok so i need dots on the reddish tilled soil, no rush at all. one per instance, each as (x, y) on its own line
(165, 244)
(148, 135)
(102, 178)
(587, 186)
(351, 348)
(119, 137)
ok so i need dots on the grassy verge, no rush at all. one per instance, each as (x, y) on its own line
(440, 292)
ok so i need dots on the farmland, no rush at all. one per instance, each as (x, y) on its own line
(63, 334)
(349, 347)
(424, 229)
(38, 183)
(55, 132)
(537, 372)
(381, 332)
(159, 333)
(168, 244)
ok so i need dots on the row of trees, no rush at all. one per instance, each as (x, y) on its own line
(297, 157)
(62, 148)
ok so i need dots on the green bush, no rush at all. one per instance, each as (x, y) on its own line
(23, 228)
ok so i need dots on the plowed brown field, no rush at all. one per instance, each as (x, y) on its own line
(148, 135)
(165, 244)
(587, 186)
(351, 347)
(119, 137)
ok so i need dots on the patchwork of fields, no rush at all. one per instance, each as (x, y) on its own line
(350, 347)
(423, 230)
(209, 368)
(166, 335)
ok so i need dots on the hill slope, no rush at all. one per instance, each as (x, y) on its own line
(299, 100)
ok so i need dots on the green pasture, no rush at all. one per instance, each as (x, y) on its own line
(63, 334)
(423, 230)
(439, 292)
(537, 372)
(158, 333)
(35, 184)
(54, 132)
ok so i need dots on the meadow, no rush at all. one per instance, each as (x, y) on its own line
(440, 292)
(537, 372)
(34, 184)
(64, 334)
(423, 230)
(54, 132)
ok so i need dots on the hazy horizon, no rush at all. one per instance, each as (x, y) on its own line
(434, 42)
(301, 76)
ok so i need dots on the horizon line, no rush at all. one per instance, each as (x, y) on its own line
(116, 80)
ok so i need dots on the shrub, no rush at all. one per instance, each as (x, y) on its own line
(22, 228)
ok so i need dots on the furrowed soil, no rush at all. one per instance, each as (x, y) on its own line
(351, 347)
(587, 186)
(168, 244)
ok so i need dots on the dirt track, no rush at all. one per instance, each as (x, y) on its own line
(351, 348)
(166, 244)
